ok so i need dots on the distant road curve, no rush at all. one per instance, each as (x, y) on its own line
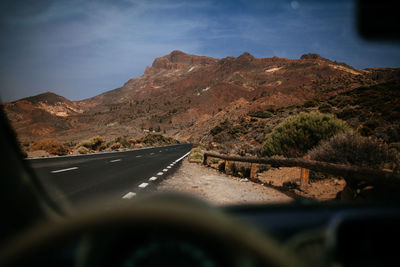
(78, 179)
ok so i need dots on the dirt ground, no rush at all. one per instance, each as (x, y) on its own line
(288, 180)
(218, 188)
(271, 186)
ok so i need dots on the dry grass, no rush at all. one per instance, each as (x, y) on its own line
(51, 145)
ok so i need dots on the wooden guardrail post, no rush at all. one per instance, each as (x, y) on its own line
(253, 170)
(304, 177)
(205, 159)
(353, 173)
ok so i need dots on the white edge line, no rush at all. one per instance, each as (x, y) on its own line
(165, 170)
(129, 195)
(143, 185)
(152, 178)
(115, 160)
(64, 170)
(181, 158)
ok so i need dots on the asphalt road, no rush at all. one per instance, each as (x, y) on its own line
(78, 179)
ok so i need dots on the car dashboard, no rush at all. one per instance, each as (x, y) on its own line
(318, 234)
(331, 234)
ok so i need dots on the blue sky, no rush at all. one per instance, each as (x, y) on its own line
(81, 48)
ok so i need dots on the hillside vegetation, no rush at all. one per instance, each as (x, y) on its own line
(98, 144)
(369, 111)
(299, 133)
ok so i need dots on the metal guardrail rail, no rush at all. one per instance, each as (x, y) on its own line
(354, 173)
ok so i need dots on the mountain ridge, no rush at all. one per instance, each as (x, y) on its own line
(185, 95)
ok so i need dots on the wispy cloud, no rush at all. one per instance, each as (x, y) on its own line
(79, 48)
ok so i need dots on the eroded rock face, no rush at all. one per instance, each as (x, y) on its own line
(177, 59)
(311, 56)
(186, 95)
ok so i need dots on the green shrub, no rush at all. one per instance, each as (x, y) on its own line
(353, 149)
(196, 155)
(94, 143)
(299, 133)
(83, 150)
(261, 114)
(115, 146)
(51, 145)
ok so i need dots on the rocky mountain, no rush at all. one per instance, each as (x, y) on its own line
(42, 115)
(185, 96)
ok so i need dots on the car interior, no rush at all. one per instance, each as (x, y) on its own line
(179, 230)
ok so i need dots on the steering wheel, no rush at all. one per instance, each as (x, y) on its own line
(152, 231)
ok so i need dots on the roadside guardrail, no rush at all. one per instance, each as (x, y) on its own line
(349, 173)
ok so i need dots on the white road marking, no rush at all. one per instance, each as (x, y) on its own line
(160, 151)
(115, 160)
(129, 195)
(139, 156)
(160, 173)
(169, 167)
(151, 153)
(64, 170)
(165, 170)
(143, 185)
(152, 178)
(181, 158)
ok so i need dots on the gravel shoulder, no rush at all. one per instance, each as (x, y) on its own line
(218, 188)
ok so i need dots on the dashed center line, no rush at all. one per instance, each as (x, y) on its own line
(143, 185)
(115, 160)
(129, 195)
(64, 170)
(151, 179)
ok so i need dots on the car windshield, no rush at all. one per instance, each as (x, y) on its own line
(230, 101)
